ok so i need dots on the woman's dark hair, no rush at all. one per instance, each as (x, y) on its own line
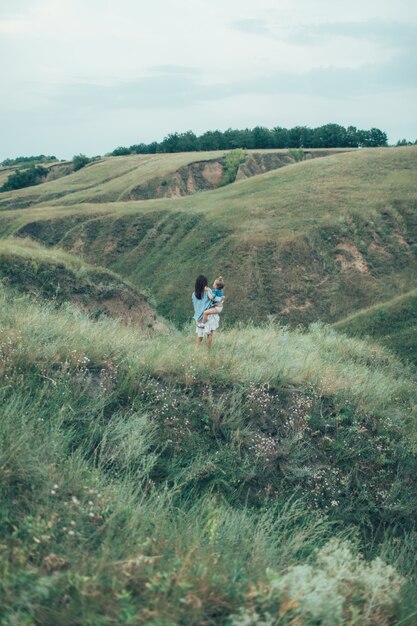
(200, 283)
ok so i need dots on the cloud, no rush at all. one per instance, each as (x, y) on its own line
(13, 9)
(165, 91)
(175, 69)
(181, 88)
(14, 26)
(252, 26)
(100, 69)
(388, 34)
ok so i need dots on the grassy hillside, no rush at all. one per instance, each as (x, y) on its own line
(317, 240)
(394, 323)
(117, 178)
(57, 276)
(145, 483)
(5, 173)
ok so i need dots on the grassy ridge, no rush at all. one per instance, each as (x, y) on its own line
(113, 178)
(60, 277)
(316, 240)
(146, 483)
(394, 323)
(104, 181)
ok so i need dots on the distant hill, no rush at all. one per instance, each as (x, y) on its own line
(319, 239)
(57, 276)
(142, 177)
(393, 323)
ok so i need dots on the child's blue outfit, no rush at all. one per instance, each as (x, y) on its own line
(219, 295)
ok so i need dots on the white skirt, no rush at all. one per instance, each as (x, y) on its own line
(211, 325)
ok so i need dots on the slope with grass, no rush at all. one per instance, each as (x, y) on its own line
(57, 276)
(5, 172)
(317, 240)
(144, 483)
(394, 323)
(141, 177)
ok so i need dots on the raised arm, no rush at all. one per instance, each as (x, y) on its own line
(210, 294)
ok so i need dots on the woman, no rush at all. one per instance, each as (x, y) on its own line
(201, 302)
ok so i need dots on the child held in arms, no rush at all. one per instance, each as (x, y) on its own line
(217, 290)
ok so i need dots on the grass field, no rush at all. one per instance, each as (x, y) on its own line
(143, 482)
(316, 240)
(394, 323)
(267, 482)
(111, 179)
(58, 277)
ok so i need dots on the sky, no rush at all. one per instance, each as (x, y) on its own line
(86, 76)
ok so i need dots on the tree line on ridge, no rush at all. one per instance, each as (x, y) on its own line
(327, 136)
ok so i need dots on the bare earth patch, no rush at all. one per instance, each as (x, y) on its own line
(77, 246)
(350, 258)
(127, 307)
(401, 240)
(291, 304)
(377, 248)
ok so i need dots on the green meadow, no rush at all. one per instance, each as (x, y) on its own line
(393, 323)
(112, 178)
(144, 482)
(267, 482)
(319, 239)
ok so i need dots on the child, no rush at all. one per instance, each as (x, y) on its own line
(217, 290)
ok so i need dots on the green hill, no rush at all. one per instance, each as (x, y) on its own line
(143, 482)
(57, 276)
(317, 240)
(138, 177)
(394, 323)
(268, 481)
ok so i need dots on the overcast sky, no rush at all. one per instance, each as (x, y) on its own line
(86, 76)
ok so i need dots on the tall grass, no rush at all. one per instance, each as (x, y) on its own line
(144, 481)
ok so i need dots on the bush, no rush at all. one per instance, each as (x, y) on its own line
(339, 587)
(79, 161)
(297, 154)
(25, 178)
(231, 165)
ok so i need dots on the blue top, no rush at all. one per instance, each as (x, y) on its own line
(218, 292)
(201, 305)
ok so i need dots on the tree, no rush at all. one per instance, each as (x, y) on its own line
(212, 140)
(326, 136)
(120, 151)
(187, 142)
(41, 158)
(79, 161)
(280, 137)
(262, 137)
(25, 178)
(352, 137)
(372, 138)
(170, 143)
